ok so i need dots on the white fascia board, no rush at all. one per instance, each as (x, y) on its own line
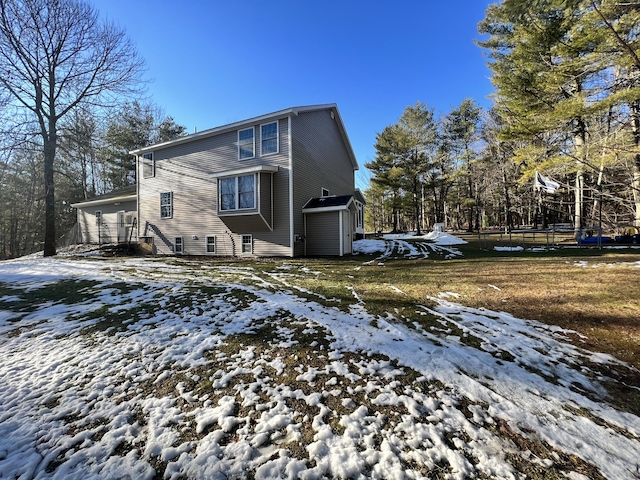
(292, 239)
(242, 171)
(337, 208)
(104, 201)
(345, 139)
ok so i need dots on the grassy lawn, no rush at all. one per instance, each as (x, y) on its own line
(365, 366)
(590, 291)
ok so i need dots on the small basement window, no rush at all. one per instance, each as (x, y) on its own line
(211, 245)
(247, 244)
(178, 246)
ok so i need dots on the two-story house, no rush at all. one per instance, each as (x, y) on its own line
(281, 184)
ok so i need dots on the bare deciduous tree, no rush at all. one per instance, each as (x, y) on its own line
(54, 56)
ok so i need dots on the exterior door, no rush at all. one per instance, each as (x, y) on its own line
(347, 231)
(122, 227)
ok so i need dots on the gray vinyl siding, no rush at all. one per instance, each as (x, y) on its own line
(320, 159)
(185, 169)
(266, 205)
(88, 231)
(323, 234)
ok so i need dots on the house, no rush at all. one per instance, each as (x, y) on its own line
(281, 184)
(108, 218)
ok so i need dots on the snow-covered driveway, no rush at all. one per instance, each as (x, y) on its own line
(147, 368)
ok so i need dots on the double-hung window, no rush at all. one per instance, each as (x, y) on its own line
(178, 246)
(238, 193)
(166, 205)
(148, 166)
(246, 143)
(211, 245)
(269, 138)
(247, 244)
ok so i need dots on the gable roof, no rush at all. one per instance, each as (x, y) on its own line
(125, 194)
(260, 119)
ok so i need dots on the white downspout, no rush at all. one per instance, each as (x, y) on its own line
(340, 222)
(291, 235)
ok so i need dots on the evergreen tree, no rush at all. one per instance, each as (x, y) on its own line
(135, 126)
(559, 66)
(403, 153)
(461, 131)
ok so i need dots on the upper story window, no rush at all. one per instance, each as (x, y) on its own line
(237, 193)
(148, 166)
(166, 205)
(246, 143)
(269, 138)
(359, 215)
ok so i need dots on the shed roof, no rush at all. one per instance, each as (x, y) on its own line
(125, 194)
(327, 204)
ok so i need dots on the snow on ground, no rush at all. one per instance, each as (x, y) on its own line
(517, 248)
(148, 368)
(394, 246)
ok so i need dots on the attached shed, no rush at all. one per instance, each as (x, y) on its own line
(329, 225)
(108, 218)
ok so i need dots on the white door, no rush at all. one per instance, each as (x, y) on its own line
(122, 227)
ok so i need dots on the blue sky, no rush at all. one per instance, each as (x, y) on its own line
(216, 62)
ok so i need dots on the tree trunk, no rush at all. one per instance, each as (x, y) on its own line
(635, 183)
(50, 142)
(470, 196)
(416, 206)
(580, 139)
(507, 202)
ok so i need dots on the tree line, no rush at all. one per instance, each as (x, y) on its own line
(92, 158)
(71, 108)
(566, 105)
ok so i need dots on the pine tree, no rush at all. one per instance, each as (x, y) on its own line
(558, 66)
(403, 153)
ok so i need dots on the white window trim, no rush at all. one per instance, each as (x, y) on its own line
(359, 214)
(262, 154)
(323, 194)
(242, 243)
(237, 195)
(175, 244)
(170, 205)
(253, 130)
(146, 157)
(206, 245)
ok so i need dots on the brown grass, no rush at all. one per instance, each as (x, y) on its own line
(599, 301)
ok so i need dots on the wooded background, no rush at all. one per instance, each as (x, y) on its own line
(566, 104)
